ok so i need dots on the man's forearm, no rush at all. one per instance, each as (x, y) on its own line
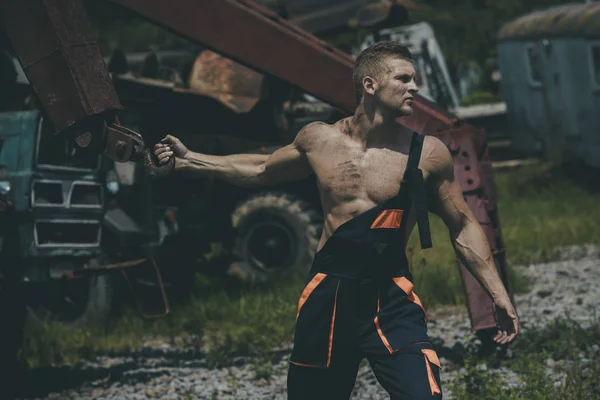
(245, 170)
(474, 251)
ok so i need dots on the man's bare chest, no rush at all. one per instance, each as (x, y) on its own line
(346, 172)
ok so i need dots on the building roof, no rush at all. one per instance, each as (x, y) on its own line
(575, 19)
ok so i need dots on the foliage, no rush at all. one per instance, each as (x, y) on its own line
(467, 29)
(561, 339)
(115, 27)
(480, 97)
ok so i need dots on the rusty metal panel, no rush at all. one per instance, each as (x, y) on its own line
(60, 58)
(473, 171)
(232, 84)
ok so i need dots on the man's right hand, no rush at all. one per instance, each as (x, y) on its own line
(169, 146)
(507, 320)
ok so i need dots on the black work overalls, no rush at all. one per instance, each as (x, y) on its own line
(359, 302)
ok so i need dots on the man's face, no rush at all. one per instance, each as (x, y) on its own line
(396, 87)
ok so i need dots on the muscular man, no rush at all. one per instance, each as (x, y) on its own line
(376, 179)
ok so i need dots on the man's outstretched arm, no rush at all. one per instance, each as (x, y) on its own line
(246, 170)
(467, 236)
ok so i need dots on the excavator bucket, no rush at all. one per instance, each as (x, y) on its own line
(54, 43)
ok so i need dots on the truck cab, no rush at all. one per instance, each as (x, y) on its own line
(57, 194)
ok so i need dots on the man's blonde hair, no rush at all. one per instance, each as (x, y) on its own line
(370, 62)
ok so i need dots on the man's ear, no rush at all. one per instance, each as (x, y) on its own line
(369, 85)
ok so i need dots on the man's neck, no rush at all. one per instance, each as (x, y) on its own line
(374, 128)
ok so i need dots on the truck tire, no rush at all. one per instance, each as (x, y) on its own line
(276, 234)
(74, 302)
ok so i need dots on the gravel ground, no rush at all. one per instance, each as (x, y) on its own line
(567, 287)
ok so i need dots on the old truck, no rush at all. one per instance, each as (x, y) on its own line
(66, 213)
(270, 45)
(58, 194)
(66, 217)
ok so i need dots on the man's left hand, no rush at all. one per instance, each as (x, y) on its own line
(507, 321)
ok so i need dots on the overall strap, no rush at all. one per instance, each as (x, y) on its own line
(417, 189)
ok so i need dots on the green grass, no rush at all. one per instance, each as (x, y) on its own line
(562, 341)
(540, 209)
(235, 319)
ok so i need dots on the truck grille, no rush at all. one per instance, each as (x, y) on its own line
(67, 233)
(57, 153)
(47, 194)
(67, 194)
(86, 194)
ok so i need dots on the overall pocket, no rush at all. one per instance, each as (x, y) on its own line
(315, 322)
(400, 318)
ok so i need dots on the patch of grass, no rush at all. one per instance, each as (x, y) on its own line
(481, 383)
(481, 97)
(539, 210)
(56, 343)
(231, 318)
(247, 322)
(262, 369)
(542, 208)
(561, 340)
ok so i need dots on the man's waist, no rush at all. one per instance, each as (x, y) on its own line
(358, 262)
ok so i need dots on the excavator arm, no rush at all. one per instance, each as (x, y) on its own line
(54, 43)
(62, 61)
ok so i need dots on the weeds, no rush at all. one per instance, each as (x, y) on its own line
(537, 353)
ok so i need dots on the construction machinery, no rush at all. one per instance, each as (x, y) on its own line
(63, 64)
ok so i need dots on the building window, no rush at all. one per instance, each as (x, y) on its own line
(595, 62)
(535, 67)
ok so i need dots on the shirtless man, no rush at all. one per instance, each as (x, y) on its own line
(376, 179)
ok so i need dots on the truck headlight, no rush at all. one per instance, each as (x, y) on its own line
(112, 182)
(4, 187)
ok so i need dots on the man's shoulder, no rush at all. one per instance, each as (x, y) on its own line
(316, 126)
(314, 132)
(435, 157)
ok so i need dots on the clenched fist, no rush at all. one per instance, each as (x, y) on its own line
(168, 147)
